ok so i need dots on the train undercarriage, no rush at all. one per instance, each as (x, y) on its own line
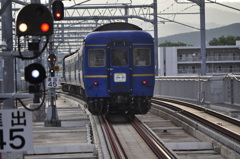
(119, 104)
(116, 104)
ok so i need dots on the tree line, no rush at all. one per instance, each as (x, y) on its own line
(222, 40)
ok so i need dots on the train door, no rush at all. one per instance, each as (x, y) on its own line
(120, 70)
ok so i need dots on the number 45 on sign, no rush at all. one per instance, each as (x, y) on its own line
(52, 82)
(15, 130)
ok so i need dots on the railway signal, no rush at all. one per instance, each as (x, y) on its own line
(34, 19)
(58, 10)
(52, 59)
(35, 73)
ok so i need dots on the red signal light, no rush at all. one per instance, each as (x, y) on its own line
(58, 10)
(144, 82)
(45, 27)
(58, 15)
(95, 83)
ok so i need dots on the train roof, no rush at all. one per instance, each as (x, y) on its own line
(117, 26)
(66, 56)
(103, 37)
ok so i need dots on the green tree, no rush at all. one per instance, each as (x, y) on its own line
(170, 44)
(222, 40)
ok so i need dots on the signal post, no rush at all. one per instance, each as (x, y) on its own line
(52, 81)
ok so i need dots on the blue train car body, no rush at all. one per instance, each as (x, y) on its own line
(114, 70)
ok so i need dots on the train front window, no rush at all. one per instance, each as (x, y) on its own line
(142, 57)
(119, 57)
(96, 58)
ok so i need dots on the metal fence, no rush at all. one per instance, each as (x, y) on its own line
(207, 89)
(22, 85)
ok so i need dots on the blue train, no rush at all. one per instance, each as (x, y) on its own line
(113, 70)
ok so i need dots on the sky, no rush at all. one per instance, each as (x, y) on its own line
(227, 0)
(216, 15)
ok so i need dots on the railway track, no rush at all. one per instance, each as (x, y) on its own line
(224, 129)
(113, 139)
(221, 123)
(127, 138)
(156, 146)
(122, 139)
(125, 147)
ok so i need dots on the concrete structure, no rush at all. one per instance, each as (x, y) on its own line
(181, 61)
(217, 92)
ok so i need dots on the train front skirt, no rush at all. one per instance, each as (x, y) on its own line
(119, 104)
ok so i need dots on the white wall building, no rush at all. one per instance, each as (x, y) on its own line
(181, 61)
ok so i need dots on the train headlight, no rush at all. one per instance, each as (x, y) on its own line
(95, 83)
(144, 82)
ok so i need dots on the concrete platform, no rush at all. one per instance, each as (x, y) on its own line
(71, 140)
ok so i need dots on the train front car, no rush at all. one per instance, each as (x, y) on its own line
(119, 70)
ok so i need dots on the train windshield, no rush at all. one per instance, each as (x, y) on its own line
(96, 58)
(142, 57)
(119, 57)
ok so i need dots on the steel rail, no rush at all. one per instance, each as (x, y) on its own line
(200, 108)
(115, 143)
(214, 126)
(223, 130)
(156, 146)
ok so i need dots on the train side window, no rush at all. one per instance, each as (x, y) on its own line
(142, 57)
(119, 57)
(96, 58)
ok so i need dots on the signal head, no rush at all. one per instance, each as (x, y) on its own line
(52, 58)
(35, 73)
(34, 19)
(58, 10)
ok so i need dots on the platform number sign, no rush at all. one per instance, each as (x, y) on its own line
(52, 82)
(15, 130)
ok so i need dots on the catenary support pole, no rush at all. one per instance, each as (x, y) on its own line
(8, 68)
(155, 24)
(203, 37)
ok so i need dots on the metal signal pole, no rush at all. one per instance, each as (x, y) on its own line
(52, 114)
(8, 69)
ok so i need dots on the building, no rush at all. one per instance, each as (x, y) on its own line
(181, 61)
